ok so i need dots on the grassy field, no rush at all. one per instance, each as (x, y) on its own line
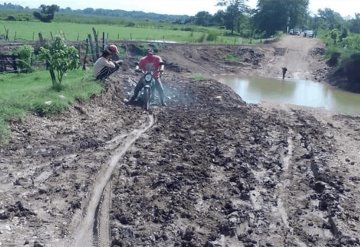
(28, 30)
(24, 93)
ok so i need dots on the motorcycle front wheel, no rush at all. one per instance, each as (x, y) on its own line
(147, 98)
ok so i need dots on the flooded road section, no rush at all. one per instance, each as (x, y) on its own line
(297, 92)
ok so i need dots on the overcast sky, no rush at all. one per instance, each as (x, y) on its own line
(179, 7)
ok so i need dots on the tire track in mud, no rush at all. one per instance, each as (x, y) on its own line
(101, 225)
(93, 229)
(283, 188)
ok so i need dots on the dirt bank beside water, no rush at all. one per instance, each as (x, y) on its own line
(206, 170)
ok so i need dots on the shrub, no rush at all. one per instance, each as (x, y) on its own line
(130, 24)
(10, 18)
(59, 59)
(202, 38)
(212, 36)
(231, 57)
(24, 56)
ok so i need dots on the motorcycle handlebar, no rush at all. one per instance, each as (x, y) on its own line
(144, 72)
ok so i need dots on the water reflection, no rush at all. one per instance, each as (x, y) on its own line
(298, 92)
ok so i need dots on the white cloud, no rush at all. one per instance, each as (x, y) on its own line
(344, 7)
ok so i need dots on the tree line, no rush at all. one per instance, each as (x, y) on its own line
(271, 16)
(100, 12)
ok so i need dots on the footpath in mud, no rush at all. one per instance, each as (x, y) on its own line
(206, 170)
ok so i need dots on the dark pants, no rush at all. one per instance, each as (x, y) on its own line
(284, 72)
(106, 72)
(141, 84)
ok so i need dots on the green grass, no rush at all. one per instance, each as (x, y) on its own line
(28, 30)
(231, 58)
(31, 93)
(198, 77)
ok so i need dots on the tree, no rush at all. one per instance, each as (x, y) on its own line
(234, 12)
(219, 18)
(203, 18)
(46, 13)
(276, 15)
(331, 19)
(354, 24)
(59, 58)
(334, 34)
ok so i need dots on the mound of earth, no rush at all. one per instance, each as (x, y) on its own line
(206, 170)
(347, 76)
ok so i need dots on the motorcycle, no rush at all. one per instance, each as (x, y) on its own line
(148, 91)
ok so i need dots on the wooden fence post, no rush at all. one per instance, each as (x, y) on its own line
(62, 34)
(103, 41)
(14, 63)
(92, 48)
(96, 34)
(6, 33)
(41, 39)
(86, 53)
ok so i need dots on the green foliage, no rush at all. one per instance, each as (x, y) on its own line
(47, 12)
(24, 93)
(59, 58)
(352, 42)
(330, 19)
(202, 38)
(11, 18)
(203, 18)
(198, 77)
(231, 57)
(274, 15)
(334, 34)
(130, 24)
(114, 30)
(4, 130)
(354, 24)
(24, 54)
(212, 36)
(234, 14)
(344, 33)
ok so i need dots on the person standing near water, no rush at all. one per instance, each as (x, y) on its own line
(284, 70)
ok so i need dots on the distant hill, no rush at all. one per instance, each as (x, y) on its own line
(106, 12)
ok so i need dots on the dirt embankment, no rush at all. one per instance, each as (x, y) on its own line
(207, 170)
(347, 76)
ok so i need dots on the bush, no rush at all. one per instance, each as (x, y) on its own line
(130, 24)
(202, 38)
(188, 29)
(10, 18)
(59, 59)
(24, 54)
(212, 36)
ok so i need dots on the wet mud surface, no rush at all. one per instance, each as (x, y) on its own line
(206, 170)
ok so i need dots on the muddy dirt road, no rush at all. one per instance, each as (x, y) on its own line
(206, 170)
(301, 56)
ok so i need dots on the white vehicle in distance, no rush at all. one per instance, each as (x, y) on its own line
(309, 33)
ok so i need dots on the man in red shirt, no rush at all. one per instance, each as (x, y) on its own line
(154, 63)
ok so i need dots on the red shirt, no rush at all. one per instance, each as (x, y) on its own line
(151, 63)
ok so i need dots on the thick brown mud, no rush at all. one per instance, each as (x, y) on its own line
(210, 170)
